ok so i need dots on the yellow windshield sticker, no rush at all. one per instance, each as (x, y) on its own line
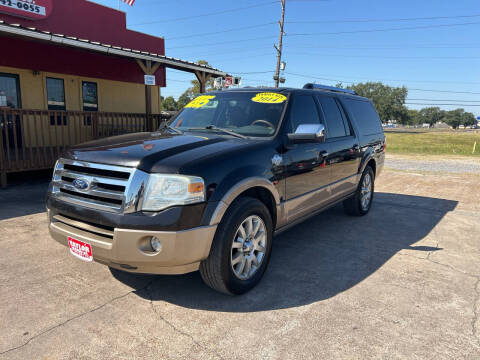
(269, 98)
(200, 101)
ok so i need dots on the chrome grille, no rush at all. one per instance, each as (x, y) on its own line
(107, 187)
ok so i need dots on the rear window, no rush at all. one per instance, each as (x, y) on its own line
(365, 115)
(333, 117)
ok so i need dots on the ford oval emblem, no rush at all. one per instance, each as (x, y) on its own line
(81, 184)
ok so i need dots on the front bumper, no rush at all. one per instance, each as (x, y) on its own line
(129, 250)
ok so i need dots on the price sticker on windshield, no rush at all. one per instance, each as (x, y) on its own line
(269, 98)
(200, 101)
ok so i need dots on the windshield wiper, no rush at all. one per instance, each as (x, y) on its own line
(224, 130)
(165, 126)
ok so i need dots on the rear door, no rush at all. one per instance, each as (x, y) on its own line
(344, 156)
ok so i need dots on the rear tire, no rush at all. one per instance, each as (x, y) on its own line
(236, 242)
(361, 202)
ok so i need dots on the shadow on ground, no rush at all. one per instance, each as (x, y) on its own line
(315, 260)
(25, 194)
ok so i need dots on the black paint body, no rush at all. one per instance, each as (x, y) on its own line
(223, 161)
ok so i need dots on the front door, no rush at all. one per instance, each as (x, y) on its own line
(10, 124)
(344, 158)
(306, 171)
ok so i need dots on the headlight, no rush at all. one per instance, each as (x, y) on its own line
(168, 190)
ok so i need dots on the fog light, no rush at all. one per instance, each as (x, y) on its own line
(156, 244)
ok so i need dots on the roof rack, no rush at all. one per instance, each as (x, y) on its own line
(328, 88)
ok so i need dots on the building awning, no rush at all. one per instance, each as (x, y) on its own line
(85, 44)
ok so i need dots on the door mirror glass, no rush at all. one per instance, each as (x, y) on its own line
(307, 133)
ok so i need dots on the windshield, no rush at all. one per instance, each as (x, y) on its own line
(247, 113)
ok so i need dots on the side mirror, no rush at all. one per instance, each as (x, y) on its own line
(308, 133)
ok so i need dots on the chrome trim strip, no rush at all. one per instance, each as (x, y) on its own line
(302, 218)
(131, 197)
(115, 195)
(97, 165)
(93, 178)
(92, 204)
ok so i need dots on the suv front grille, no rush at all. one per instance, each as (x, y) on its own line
(98, 186)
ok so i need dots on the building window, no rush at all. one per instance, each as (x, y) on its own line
(55, 94)
(9, 91)
(89, 96)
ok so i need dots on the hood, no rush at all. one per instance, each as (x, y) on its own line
(147, 150)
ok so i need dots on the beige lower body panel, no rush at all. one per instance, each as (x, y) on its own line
(129, 250)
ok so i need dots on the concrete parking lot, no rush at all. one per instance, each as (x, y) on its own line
(402, 282)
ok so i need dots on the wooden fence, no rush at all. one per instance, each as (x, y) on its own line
(34, 139)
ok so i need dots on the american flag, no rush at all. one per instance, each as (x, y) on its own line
(129, 2)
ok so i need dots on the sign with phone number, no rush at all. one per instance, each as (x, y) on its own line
(30, 9)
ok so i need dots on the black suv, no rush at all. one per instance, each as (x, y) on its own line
(209, 191)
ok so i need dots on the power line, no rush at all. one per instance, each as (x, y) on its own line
(253, 72)
(222, 31)
(409, 88)
(385, 29)
(223, 51)
(476, 101)
(397, 47)
(386, 57)
(392, 80)
(205, 14)
(409, 103)
(219, 43)
(379, 20)
(446, 91)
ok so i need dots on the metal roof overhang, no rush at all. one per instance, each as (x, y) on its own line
(34, 34)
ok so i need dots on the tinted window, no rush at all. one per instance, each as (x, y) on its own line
(9, 91)
(55, 94)
(333, 117)
(303, 111)
(365, 115)
(346, 123)
(249, 113)
(89, 96)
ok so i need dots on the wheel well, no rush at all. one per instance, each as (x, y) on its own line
(373, 165)
(265, 197)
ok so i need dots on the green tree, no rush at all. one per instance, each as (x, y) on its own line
(431, 115)
(389, 101)
(413, 117)
(468, 119)
(168, 104)
(194, 90)
(454, 117)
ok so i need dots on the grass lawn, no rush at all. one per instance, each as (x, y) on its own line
(433, 143)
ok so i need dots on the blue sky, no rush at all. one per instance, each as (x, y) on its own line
(326, 41)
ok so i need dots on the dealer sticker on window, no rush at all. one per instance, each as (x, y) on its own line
(269, 98)
(200, 101)
(79, 249)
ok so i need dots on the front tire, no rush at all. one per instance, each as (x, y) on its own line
(361, 202)
(241, 248)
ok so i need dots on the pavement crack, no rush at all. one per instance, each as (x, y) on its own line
(71, 319)
(476, 310)
(175, 328)
(441, 264)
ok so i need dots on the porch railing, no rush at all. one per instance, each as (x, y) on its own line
(34, 139)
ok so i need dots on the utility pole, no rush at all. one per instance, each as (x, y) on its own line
(279, 48)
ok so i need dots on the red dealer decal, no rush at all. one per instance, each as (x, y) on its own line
(30, 9)
(80, 249)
